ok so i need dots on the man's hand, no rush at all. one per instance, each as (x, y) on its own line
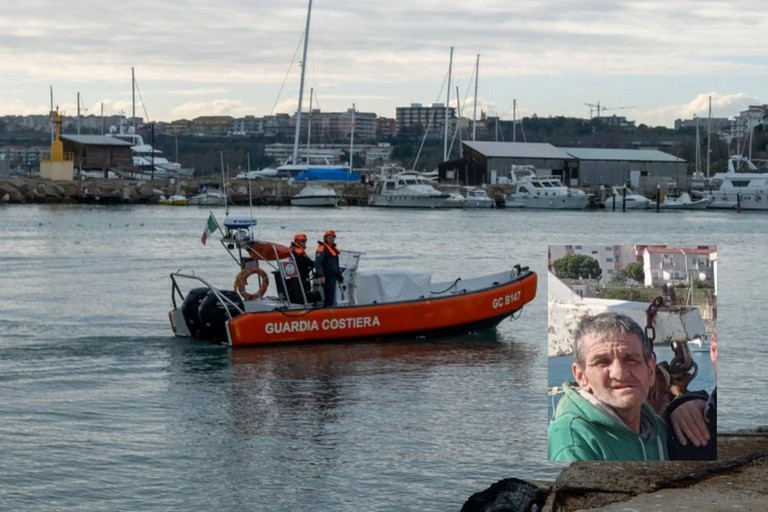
(689, 423)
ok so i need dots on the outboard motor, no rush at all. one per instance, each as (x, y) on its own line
(213, 315)
(189, 310)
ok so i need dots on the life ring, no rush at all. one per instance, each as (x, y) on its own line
(242, 279)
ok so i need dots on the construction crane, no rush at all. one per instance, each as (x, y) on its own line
(598, 108)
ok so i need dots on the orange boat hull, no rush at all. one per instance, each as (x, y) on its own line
(453, 315)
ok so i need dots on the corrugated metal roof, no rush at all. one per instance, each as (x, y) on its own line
(518, 149)
(629, 155)
(96, 140)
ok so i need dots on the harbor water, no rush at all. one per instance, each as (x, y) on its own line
(103, 409)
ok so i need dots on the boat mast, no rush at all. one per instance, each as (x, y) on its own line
(709, 133)
(309, 121)
(224, 185)
(352, 139)
(474, 109)
(447, 105)
(514, 120)
(301, 87)
(698, 148)
(133, 101)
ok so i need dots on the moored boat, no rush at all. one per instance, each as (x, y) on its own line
(174, 200)
(623, 197)
(209, 194)
(408, 190)
(744, 186)
(478, 198)
(316, 194)
(684, 201)
(374, 304)
(456, 200)
(546, 192)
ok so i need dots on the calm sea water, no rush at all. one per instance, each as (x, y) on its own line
(104, 410)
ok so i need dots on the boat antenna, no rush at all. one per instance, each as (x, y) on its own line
(301, 87)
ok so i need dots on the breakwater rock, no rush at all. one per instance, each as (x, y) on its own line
(20, 190)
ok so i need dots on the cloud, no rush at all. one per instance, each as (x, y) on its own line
(219, 107)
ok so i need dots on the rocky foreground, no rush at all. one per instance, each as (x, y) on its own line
(738, 480)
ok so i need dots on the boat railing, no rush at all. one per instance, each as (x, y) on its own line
(223, 299)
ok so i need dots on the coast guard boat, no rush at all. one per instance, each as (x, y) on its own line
(373, 304)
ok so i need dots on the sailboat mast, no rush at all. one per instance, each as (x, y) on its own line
(133, 99)
(514, 120)
(352, 139)
(709, 133)
(301, 87)
(224, 185)
(309, 122)
(698, 148)
(474, 109)
(447, 105)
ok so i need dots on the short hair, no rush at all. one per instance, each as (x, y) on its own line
(608, 323)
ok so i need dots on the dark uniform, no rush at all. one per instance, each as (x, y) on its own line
(327, 266)
(303, 261)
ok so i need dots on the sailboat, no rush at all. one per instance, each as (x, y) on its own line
(148, 162)
(210, 193)
(317, 191)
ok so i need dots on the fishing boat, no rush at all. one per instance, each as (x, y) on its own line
(408, 190)
(373, 304)
(547, 192)
(316, 194)
(174, 200)
(684, 201)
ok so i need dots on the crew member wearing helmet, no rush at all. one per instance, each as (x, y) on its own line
(327, 269)
(303, 261)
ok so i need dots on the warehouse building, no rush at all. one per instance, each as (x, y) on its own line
(490, 162)
(99, 153)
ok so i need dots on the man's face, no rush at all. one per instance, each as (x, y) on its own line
(615, 370)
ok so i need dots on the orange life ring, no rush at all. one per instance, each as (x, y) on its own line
(242, 279)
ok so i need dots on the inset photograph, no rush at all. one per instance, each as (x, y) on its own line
(632, 346)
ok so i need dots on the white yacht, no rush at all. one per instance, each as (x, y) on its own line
(316, 194)
(408, 190)
(548, 192)
(743, 186)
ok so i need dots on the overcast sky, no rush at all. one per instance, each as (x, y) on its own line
(652, 61)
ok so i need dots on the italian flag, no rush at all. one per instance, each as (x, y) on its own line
(210, 227)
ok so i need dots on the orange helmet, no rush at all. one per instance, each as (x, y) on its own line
(330, 232)
(300, 239)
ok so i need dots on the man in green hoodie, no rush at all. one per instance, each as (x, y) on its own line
(603, 415)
